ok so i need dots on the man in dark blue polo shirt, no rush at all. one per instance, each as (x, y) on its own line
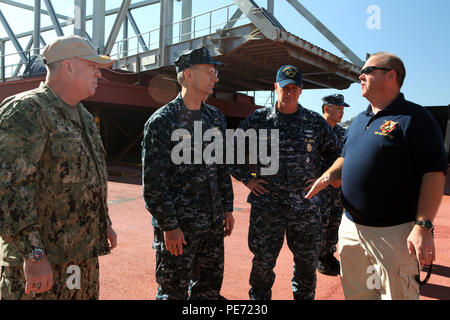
(393, 168)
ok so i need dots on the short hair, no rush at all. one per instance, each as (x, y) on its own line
(391, 61)
(53, 67)
(181, 77)
(327, 105)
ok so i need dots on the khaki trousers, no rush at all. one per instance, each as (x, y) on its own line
(375, 263)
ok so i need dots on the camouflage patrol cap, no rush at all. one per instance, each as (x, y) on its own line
(193, 57)
(67, 47)
(336, 99)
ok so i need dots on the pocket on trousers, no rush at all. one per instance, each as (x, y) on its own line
(407, 275)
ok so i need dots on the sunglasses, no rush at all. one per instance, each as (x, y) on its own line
(368, 70)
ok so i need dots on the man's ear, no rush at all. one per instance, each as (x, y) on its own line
(392, 75)
(67, 67)
(188, 74)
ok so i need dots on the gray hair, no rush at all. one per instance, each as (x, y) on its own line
(53, 67)
(181, 77)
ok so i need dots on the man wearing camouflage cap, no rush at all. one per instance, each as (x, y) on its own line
(333, 111)
(191, 203)
(54, 220)
(278, 207)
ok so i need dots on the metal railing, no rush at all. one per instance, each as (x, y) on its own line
(11, 64)
(215, 19)
(126, 47)
(205, 23)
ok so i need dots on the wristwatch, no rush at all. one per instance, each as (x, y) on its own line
(36, 255)
(427, 224)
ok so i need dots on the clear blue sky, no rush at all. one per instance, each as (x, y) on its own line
(417, 31)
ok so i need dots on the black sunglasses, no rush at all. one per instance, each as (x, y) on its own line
(368, 70)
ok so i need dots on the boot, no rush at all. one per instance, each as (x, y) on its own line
(329, 265)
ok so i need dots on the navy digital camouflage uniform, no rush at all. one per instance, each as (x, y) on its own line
(192, 197)
(304, 142)
(332, 208)
(53, 188)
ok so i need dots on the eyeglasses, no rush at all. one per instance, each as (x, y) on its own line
(368, 70)
(211, 71)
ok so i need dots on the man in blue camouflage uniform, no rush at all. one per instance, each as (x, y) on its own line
(333, 111)
(191, 203)
(278, 207)
(54, 220)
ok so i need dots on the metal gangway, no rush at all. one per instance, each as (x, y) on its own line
(247, 37)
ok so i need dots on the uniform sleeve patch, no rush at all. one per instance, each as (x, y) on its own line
(21, 123)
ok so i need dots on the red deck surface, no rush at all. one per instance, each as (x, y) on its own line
(129, 272)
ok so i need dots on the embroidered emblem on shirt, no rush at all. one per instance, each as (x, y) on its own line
(386, 128)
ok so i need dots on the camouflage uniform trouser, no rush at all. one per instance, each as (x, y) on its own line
(66, 283)
(197, 274)
(332, 211)
(302, 228)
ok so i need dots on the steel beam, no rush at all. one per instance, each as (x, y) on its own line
(2, 60)
(13, 38)
(68, 21)
(271, 6)
(37, 26)
(260, 18)
(186, 25)
(27, 49)
(20, 64)
(79, 28)
(52, 14)
(165, 30)
(121, 15)
(98, 26)
(124, 38)
(232, 21)
(137, 31)
(326, 32)
(31, 8)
